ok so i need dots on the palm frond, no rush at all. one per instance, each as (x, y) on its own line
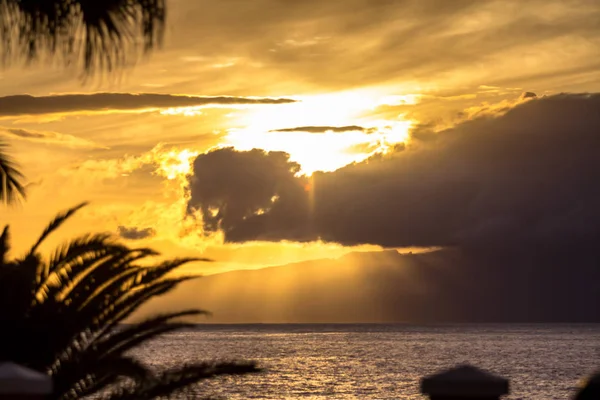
(129, 337)
(85, 270)
(12, 188)
(66, 292)
(100, 35)
(20, 285)
(86, 377)
(172, 380)
(55, 224)
(87, 319)
(49, 292)
(62, 316)
(103, 277)
(127, 303)
(116, 344)
(124, 295)
(81, 247)
(4, 245)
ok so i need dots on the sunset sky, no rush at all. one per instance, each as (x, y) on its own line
(330, 83)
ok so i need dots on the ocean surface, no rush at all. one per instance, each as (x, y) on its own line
(382, 361)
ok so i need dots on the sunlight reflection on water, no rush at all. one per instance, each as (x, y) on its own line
(383, 361)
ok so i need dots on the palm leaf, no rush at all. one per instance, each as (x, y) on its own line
(4, 245)
(12, 188)
(87, 377)
(90, 271)
(126, 294)
(105, 276)
(131, 336)
(109, 304)
(129, 302)
(115, 345)
(55, 224)
(92, 245)
(66, 294)
(172, 380)
(61, 316)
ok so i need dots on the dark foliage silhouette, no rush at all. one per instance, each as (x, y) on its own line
(61, 315)
(98, 35)
(12, 187)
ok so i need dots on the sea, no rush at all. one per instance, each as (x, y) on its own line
(381, 361)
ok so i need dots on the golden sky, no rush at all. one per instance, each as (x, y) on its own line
(328, 82)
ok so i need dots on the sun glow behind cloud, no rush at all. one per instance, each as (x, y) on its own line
(325, 151)
(172, 225)
(174, 163)
(343, 132)
(328, 150)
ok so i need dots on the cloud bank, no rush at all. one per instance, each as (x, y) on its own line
(323, 129)
(526, 178)
(54, 138)
(512, 199)
(135, 233)
(20, 105)
(342, 43)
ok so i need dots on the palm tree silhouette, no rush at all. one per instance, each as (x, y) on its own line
(61, 315)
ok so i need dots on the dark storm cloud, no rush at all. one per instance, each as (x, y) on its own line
(322, 129)
(528, 177)
(230, 187)
(30, 105)
(135, 233)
